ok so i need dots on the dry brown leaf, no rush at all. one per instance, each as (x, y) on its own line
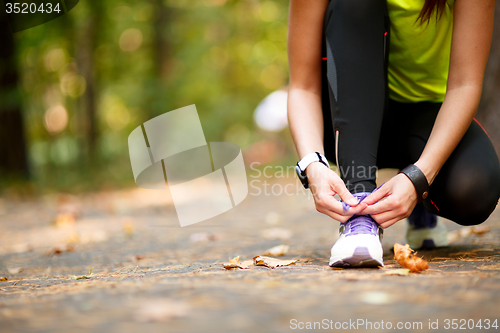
(128, 227)
(15, 270)
(204, 237)
(406, 257)
(480, 229)
(276, 251)
(272, 262)
(136, 258)
(152, 310)
(276, 233)
(399, 271)
(467, 231)
(489, 267)
(60, 249)
(64, 220)
(3, 278)
(235, 263)
(22, 248)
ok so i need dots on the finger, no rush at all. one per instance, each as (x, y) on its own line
(389, 223)
(382, 218)
(330, 203)
(377, 208)
(344, 194)
(377, 195)
(333, 215)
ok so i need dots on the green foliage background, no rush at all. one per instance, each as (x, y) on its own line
(148, 57)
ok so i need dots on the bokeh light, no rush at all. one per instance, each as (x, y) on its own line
(130, 40)
(56, 119)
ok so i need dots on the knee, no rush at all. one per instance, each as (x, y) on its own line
(474, 195)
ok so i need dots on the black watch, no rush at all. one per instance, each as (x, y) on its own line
(301, 166)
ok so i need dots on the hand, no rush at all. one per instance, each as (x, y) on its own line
(324, 184)
(400, 199)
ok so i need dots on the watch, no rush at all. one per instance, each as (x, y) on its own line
(301, 166)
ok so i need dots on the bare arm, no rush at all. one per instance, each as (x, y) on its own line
(304, 104)
(472, 31)
(304, 56)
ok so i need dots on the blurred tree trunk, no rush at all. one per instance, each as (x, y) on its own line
(86, 43)
(489, 108)
(157, 95)
(13, 157)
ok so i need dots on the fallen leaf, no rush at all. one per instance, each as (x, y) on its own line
(489, 267)
(136, 258)
(22, 248)
(161, 310)
(84, 276)
(235, 263)
(399, 271)
(15, 270)
(480, 229)
(60, 249)
(273, 218)
(3, 278)
(64, 220)
(376, 297)
(276, 251)
(406, 257)
(128, 227)
(276, 233)
(204, 237)
(73, 238)
(467, 231)
(272, 262)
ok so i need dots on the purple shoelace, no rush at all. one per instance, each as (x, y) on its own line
(361, 225)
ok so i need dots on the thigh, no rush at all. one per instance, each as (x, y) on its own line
(467, 188)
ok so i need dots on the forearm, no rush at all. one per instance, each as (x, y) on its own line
(306, 121)
(453, 120)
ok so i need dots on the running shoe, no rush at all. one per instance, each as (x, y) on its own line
(359, 244)
(425, 230)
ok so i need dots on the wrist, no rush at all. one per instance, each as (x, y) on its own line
(313, 168)
(428, 170)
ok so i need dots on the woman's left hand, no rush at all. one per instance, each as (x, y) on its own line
(400, 197)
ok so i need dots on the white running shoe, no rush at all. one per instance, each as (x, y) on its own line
(425, 230)
(359, 244)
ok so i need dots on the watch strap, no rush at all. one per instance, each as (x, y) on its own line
(418, 179)
(310, 158)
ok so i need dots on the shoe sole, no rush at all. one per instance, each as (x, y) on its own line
(361, 258)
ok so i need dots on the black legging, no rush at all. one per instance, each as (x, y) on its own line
(375, 132)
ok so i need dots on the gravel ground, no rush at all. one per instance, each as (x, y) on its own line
(151, 275)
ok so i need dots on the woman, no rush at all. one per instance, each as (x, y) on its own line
(395, 84)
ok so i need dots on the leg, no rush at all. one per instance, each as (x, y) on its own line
(467, 188)
(355, 33)
(356, 52)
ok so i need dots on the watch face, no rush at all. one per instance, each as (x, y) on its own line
(302, 177)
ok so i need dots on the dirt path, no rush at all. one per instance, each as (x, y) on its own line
(151, 275)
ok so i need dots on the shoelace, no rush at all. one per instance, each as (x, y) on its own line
(360, 225)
